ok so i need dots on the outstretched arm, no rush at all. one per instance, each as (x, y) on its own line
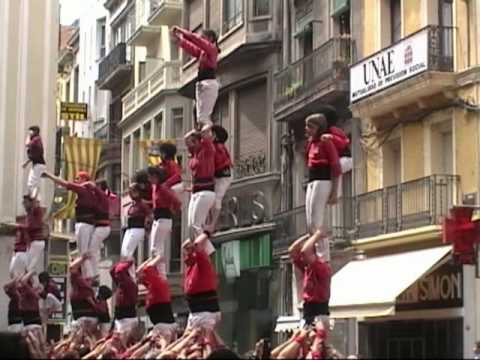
(56, 179)
(296, 247)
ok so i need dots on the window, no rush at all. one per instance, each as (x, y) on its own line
(76, 79)
(116, 178)
(101, 31)
(232, 14)
(136, 151)
(142, 71)
(261, 8)
(177, 118)
(126, 161)
(396, 20)
(446, 22)
(158, 131)
(392, 163)
(222, 113)
(67, 91)
(147, 130)
(344, 23)
(442, 148)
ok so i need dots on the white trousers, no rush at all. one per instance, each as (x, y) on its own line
(98, 237)
(47, 306)
(83, 235)
(316, 200)
(35, 255)
(160, 242)
(131, 239)
(221, 187)
(126, 325)
(167, 331)
(206, 94)
(34, 177)
(205, 320)
(198, 210)
(179, 190)
(18, 264)
(16, 328)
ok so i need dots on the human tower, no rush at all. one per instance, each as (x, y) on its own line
(156, 195)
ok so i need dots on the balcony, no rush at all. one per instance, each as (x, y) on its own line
(405, 206)
(414, 204)
(414, 75)
(166, 77)
(114, 68)
(320, 77)
(165, 12)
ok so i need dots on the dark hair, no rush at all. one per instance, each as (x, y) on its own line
(223, 353)
(220, 133)
(104, 292)
(27, 197)
(35, 129)
(197, 135)
(318, 120)
(141, 177)
(44, 277)
(159, 172)
(102, 184)
(168, 151)
(14, 346)
(212, 35)
(330, 114)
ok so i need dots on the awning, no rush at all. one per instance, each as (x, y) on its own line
(369, 288)
(287, 323)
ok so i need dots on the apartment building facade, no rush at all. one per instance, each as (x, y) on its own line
(414, 95)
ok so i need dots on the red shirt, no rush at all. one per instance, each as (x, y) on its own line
(157, 286)
(316, 280)
(102, 205)
(339, 139)
(126, 292)
(81, 290)
(138, 210)
(28, 297)
(222, 157)
(35, 150)
(86, 199)
(204, 50)
(200, 275)
(323, 153)
(202, 163)
(164, 198)
(21, 239)
(174, 173)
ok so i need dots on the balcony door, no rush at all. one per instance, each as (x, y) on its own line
(445, 20)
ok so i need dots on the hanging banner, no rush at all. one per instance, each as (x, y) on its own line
(81, 154)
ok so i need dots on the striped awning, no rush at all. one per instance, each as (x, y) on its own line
(81, 154)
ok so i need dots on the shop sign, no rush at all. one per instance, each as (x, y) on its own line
(390, 66)
(443, 288)
(241, 211)
(73, 111)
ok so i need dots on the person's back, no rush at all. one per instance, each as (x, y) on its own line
(14, 346)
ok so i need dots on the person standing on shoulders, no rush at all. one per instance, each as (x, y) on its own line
(35, 156)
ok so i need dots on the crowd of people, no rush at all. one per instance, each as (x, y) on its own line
(156, 195)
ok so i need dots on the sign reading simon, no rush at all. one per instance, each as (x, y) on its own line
(442, 288)
(73, 111)
(390, 66)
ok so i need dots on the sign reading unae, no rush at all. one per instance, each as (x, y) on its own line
(399, 62)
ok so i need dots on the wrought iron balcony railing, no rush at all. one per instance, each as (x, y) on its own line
(329, 61)
(408, 205)
(116, 57)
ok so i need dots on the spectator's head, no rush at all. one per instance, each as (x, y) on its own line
(104, 292)
(220, 134)
(14, 346)
(193, 141)
(315, 125)
(44, 278)
(33, 131)
(223, 353)
(188, 247)
(141, 177)
(82, 177)
(156, 175)
(211, 36)
(168, 151)
(330, 114)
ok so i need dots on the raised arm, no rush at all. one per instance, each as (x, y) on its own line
(296, 247)
(308, 248)
(199, 41)
(149, 262)
(75, 265)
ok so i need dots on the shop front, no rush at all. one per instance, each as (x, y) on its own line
(407, 305)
